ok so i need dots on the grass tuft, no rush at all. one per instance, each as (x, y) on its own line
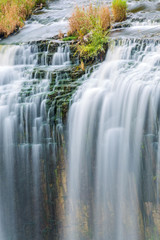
(119, 8)
(13, 13)
(83, 20)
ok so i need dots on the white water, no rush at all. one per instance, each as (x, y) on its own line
(114, 121)
(25, 138)
(113, 172)
(62, 56)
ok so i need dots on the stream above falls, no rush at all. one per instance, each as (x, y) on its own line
(143, 21)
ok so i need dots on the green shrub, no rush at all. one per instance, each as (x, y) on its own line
(98, 39)
(119, 8)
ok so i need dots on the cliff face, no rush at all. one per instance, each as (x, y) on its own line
(40, 79)
(64, 82)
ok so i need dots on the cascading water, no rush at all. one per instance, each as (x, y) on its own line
(61, 56)
(114, 140)
(113, 168)
(26, 139)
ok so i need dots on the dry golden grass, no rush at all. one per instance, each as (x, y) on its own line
(13, 13)
(90, 25)
(10, 18)
(105, 19)
(83, 20)
(79, 23)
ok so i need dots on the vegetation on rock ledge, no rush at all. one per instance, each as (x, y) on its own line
(13, 13)
(119, 8)
(90, 25)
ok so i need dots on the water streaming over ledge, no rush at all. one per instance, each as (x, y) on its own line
(114, 147)
(26, 138)
(114, 134)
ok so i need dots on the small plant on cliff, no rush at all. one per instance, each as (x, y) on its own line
(90, 25)
(119, 8)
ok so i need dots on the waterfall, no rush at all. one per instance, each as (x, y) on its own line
(114, 147)
(27, 143)
(62, 56)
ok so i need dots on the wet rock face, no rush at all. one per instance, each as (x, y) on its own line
(58, 75)
(62, 86)
(64, 80)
